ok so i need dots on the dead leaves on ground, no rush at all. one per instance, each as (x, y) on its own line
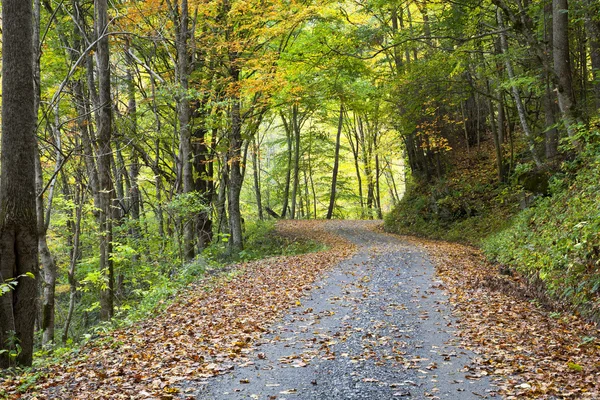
(536, 354)
(199, 336)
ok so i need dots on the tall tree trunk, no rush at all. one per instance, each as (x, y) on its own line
(46, 259)
(74, 259)
(183, 116)
(592, 27)
(223, 226)
(288, 177)
(256, 170)
(296, 130)
(43, 220)
(235, 175)
(562, 65)
(306, 193)
(517, 96)
(134, 169)
(355, 155)
(336, 163)
(201, 162)
(104, 128)
(497, 144)
(18, 227)
(377, 189)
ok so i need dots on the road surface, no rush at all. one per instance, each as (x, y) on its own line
(378, 326)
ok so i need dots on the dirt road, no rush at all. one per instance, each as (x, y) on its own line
(377, 327)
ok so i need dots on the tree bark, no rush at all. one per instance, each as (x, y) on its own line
(355, 155)
(18, 227)
(296, 130)
(104, 133)
(517, 96)
(256, 170)
(592, 27)
(235, 176)
(336, 163)
(74, 259)
(562, 64)
(183, 116)
(288, 176)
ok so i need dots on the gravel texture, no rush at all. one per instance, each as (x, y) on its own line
(377, 327)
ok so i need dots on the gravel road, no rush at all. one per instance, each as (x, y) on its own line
(377, 327)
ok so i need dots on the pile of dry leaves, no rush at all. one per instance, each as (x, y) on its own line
(535, 353)
(200, 335)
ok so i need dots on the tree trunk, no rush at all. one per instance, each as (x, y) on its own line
(336, 163)
(288, 177)
(46, 259)
(74, 259)
(517, 96)
(18, 228)
(256, 170)
(296, 130)
(497, 143)
(235, 174)
(377, 189)
(355, 155)
(104, 133)
(592, 27)
(183, 116)
(562, 63)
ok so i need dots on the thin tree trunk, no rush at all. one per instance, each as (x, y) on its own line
(517, 96)
(296, 130)
(46, 259)
(74, 260)
(497, 143)
(336, 163)
(355, 155)
(256, 170)
(592, 27)
(235, 175)
(222, 226)
(286, 192)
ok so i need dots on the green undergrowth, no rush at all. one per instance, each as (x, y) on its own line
(558, 239)
(464, 206)
(261, 240)
(554, 241)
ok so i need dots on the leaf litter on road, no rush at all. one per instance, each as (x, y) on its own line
(532, 353)
(208, 329)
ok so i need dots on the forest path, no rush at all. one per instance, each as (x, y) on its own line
(377, 326)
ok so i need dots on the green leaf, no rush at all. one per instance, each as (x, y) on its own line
(575, 367)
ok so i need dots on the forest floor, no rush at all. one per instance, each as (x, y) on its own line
(376, 316)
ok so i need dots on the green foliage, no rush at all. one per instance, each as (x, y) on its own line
(11, 347)
(10, 284)
(464, 214)
(558, 240)
(261, 241)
